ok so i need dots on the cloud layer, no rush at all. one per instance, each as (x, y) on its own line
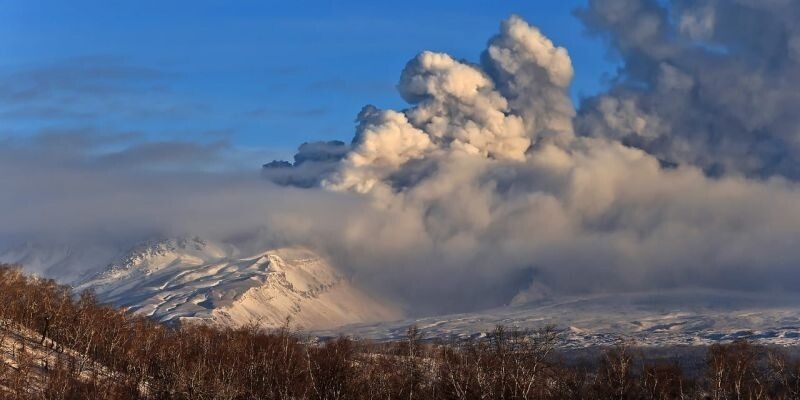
(708, 83)
(490, 187)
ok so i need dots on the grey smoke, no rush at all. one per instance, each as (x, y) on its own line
(312, 162)
(708, 83)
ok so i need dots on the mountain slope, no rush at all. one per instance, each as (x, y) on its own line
(197, 280)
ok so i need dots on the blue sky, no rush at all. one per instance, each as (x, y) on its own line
(257, 74)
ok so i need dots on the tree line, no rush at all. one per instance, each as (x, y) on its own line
(78, 348)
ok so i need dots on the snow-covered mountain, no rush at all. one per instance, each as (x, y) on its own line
(663, 318)
(190, 279)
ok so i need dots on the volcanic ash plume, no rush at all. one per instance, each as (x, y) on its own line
(481, 189)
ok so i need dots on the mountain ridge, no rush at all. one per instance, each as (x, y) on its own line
(189, 279)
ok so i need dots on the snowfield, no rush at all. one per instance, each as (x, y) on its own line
(196, 280)
(664, 318)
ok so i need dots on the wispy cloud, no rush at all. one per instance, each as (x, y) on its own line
(351, 87)
(97, 76)
(93, 87)
(266, 112)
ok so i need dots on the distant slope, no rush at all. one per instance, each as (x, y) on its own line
(64, 263)
(670, 317)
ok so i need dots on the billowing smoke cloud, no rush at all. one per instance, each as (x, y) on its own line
(312, 162)
(482, 192)
(485, 178)
(709, 83)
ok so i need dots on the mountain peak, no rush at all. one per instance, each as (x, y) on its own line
(190, 279)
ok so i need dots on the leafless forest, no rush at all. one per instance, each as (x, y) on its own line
(58, 346)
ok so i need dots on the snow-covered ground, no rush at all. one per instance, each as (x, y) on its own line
(198, 280)
(663, 318)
